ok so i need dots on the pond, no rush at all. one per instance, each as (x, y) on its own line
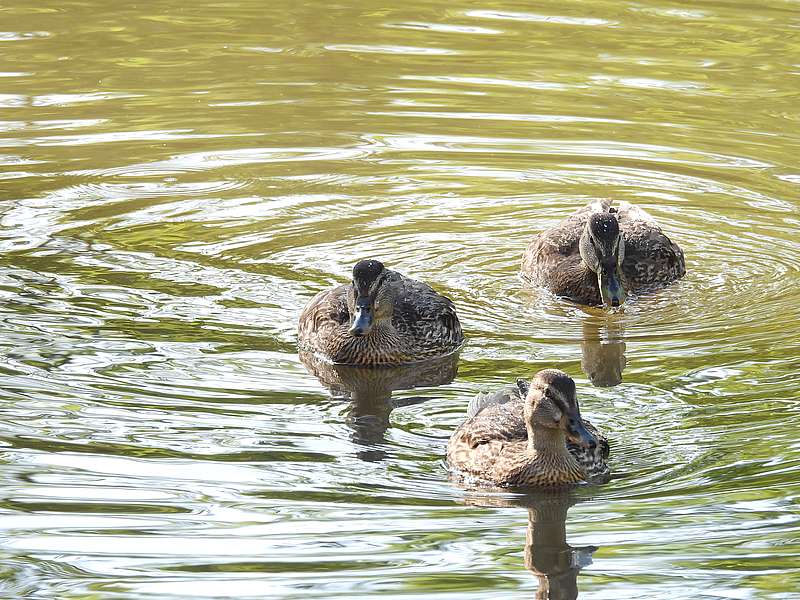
(179, 179)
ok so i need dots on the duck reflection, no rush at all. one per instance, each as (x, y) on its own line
(548, 556)
(603, 353)
(370, 390)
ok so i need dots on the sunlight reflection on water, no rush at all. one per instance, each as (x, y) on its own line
(181, 180)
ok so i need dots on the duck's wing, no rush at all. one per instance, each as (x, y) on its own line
(594, 461)
(501, 422)
(326, 310)
(602, 441)
(482, 400)
(507, 394)
(423, 313)
(650, 256)
(553, 257)
(490, 445)
(563, 238)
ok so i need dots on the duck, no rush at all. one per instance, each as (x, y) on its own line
(380, 318)
(531, 435)
(601, 253)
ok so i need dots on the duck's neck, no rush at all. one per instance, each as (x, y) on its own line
(547, 441)
(548, 447)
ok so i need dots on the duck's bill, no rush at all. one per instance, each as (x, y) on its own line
(578, 434)
(611, 290)
(362, 322)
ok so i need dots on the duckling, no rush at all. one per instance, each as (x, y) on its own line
(380, 318)
(600, 253)
(531, 436)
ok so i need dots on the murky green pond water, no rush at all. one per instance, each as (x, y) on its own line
(180, 178)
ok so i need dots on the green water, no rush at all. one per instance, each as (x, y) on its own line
(178, 179)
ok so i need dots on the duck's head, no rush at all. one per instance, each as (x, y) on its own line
(602, 248)
(371, 301)
(553, 404)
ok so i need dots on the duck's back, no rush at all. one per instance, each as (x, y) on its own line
(651, 258)
(554, 246)
(490, 445)
(423, 315)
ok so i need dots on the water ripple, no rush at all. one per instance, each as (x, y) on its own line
(170, 206)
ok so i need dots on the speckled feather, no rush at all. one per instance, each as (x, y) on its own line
(424, 325)
(553, 258)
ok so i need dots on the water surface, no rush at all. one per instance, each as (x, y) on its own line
(179, 180)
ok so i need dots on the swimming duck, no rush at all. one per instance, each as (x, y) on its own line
(600, 253)
(380, 318)
(532, 435)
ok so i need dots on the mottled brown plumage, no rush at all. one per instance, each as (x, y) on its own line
(648, 258)
(510, 441)
(380, 318)
(593, 461)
